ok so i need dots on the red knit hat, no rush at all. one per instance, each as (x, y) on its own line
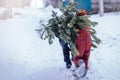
(81, 12)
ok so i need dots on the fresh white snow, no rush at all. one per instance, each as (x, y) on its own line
(24, 56)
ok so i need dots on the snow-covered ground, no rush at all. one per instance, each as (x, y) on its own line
(24, 56)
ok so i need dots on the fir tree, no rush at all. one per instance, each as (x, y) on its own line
(64, 27)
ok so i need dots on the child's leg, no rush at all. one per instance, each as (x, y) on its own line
(75, 61)
(66, 53)
(86, 58)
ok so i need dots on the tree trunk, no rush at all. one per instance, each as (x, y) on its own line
(101, 7)
(59, 3)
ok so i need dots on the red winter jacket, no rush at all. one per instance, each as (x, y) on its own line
(83, 45)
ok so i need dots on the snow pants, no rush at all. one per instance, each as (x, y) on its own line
(66, 53)
(83, 45)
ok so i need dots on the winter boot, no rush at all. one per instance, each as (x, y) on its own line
(81, 68)
(68, 65)
(85, 73)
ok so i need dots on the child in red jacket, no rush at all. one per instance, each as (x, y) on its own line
(83, 43)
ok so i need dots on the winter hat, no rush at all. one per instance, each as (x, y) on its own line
(81, 12)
